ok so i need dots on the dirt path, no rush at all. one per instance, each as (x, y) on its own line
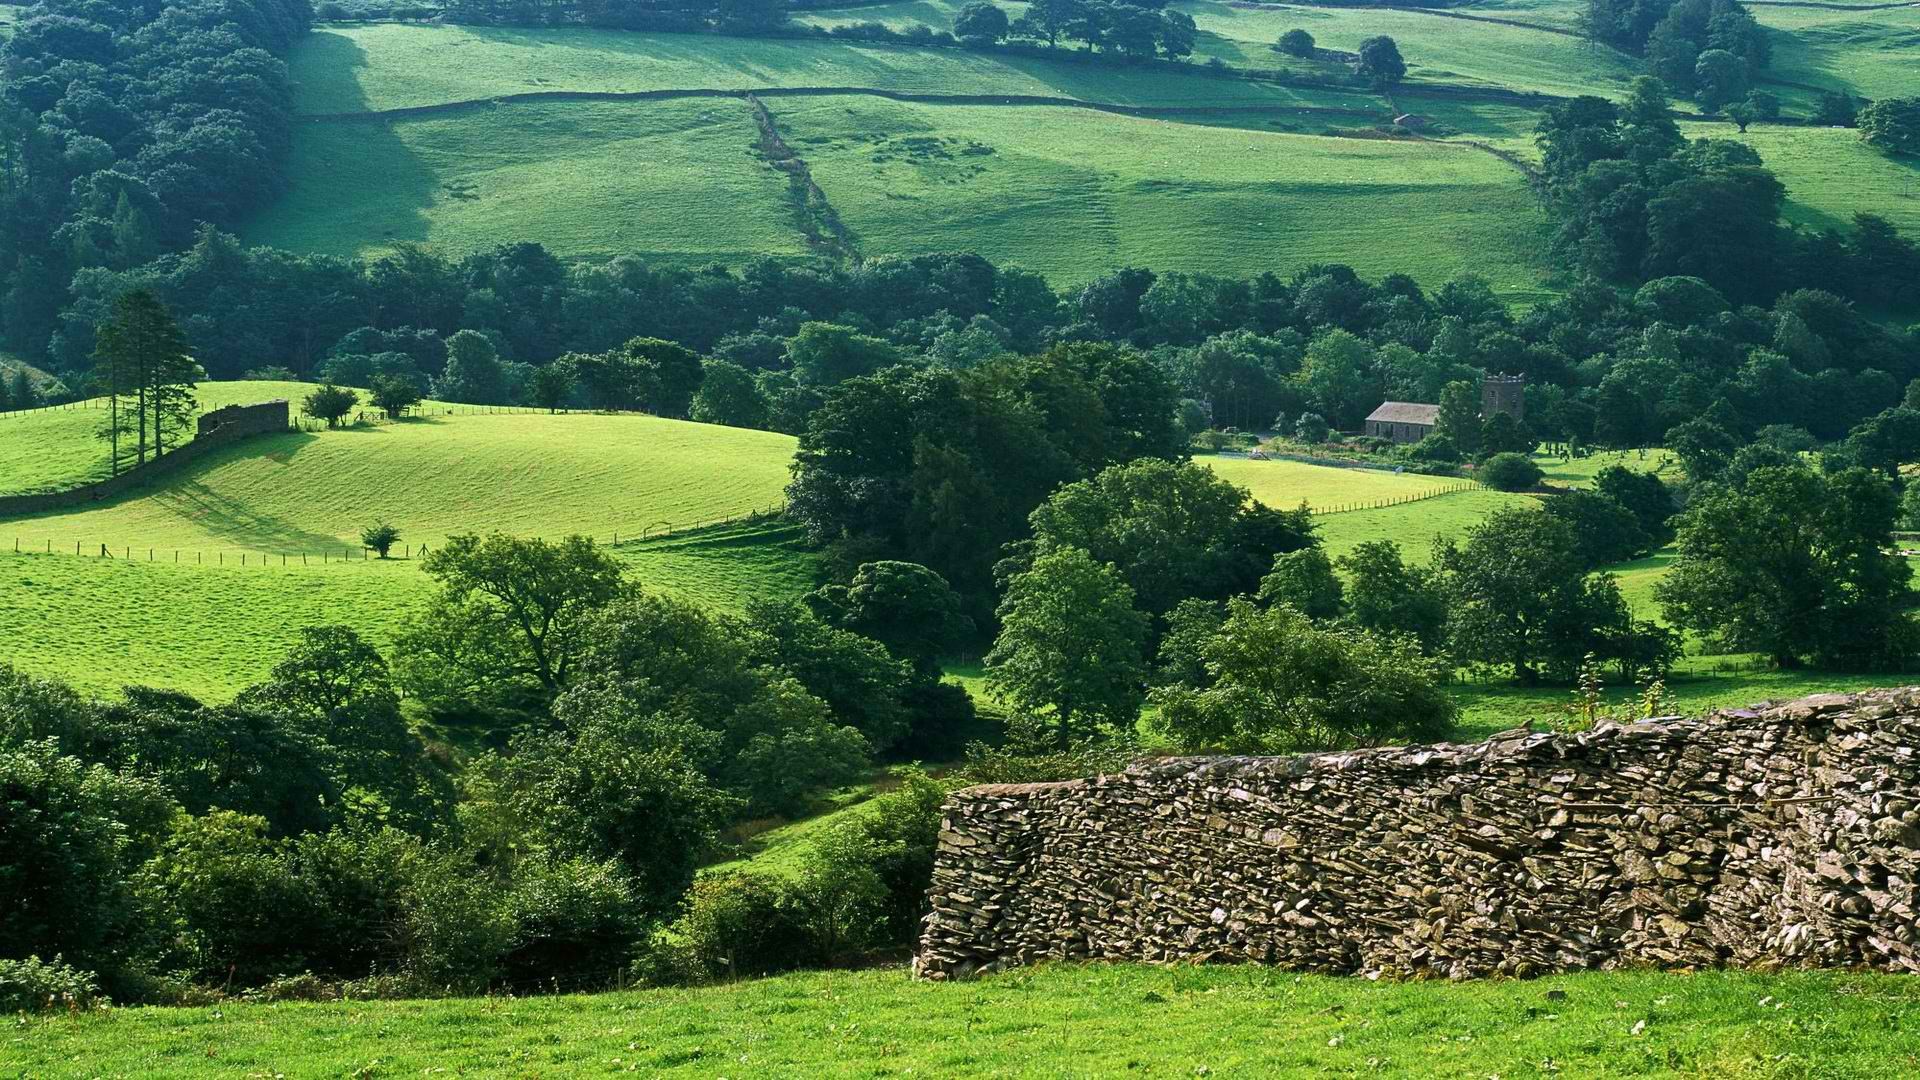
(813, 214)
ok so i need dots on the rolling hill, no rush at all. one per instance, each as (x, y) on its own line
(210, 574)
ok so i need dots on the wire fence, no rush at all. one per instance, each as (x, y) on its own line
(67, 406)
(350, 553)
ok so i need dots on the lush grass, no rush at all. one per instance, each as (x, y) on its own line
(1580, 471)
(529, 474)
(388, 66)
(1869, 53)
(1830, 174)
(1073, 194)
(1054, 1020)
(52, 449)
(210, 623)
(1287, 484)
(777, 847)
(1700, 683)
(212, 627)
(1437, 49)
(673, 181)
(1415, 526)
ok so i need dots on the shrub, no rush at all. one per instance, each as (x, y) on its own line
(1509, 472)
(379, 538)
(730, 926)
(36, 985)
(1296, 42)
(1280, 684)
(1311, 428)
(576, 922)
(1892, 124)
(1436, 449)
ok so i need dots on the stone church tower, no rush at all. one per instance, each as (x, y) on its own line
(1504, 394)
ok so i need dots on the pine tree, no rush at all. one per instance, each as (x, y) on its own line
(140, 358)
(24, 395)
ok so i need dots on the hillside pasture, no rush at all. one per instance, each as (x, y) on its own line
(1286, 484)
(1437, 48)
(1830, 173)
(51, 449)
(671, 181)
(1053, 1020)
(389, 66)
(1869, 53)
(1072, 194)
(211, 627)
(528, 474)
(1414, 526)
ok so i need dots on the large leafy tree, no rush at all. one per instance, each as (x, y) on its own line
(1275, 682)
(1172, 531)
(1071, 645)
(508, 610)
(1794, 565)
(1521, 597)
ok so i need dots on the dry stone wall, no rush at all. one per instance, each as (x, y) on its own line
(1782, 835)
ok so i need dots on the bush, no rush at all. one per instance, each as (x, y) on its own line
(576, 922)
(1296, 42)
(36, 985)
(1434, 449)
(1892, 124)
(731, 926)
(1281, 684)
(1509, 472)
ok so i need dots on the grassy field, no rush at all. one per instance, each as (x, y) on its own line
(1073, 194)
(1830, 174)
(1055, 1020)
(387, 66)
(1869, 53)
(211, 628)
(236, 540)
(1287, 484)
(673, 181)
(527, 474)
(1415, 526)
(53, 449)
(1437, 49)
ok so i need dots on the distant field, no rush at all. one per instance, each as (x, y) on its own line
(212, 629)
(56, 448)
(388, 66)
(210, 622)
(1830, 174)
(667, 180)
(1437, 48)
(526, 474)
(1286, 484)
(1072, 195)
(1871, 53)
(1414, 526)
(1054, 1020)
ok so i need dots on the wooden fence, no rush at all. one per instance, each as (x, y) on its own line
(1396, 500)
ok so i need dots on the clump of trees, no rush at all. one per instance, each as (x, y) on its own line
(141, 364)
(1711, 50)
(1892, 124)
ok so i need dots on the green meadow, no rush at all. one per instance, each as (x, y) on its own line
(1057, 1020)
(1287, 484)
(51, 449)
(390, 66)
(1071, 194)
(1438, 49)
(1830, 174)
(529, 474)
(1872, 53)
(672, 181)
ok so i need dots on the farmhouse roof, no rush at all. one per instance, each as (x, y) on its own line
(1405, 412)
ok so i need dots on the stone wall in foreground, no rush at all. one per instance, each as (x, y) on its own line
(1783, 835)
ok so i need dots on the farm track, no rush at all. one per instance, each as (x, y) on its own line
(544, 96)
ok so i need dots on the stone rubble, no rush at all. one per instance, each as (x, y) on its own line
(1786, 835)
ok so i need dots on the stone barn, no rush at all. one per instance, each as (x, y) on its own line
(1401, 421)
